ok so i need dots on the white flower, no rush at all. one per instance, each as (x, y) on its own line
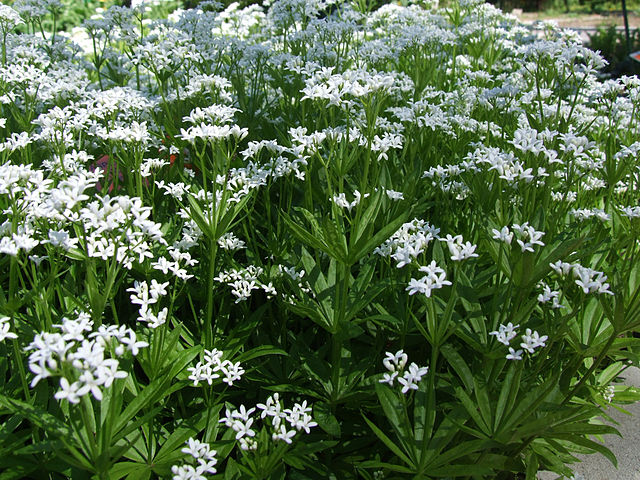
(393, 195)
(284, 434)
(4, 329)
(68, 391)
(395, 362)
(133, 345)
(232, 372)
(9, 18)
(243, 428)
(407, 383)
(505, 333)
(514, 354)
(415, 373)
(460, 251)
(630, 212)
(503, 235)
(272, 408)
(388, 378)
(532, 340)
(549, 295)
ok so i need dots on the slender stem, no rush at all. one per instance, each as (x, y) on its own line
(209, 320)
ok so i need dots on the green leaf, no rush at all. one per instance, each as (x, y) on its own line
(389, 443)
(122, 469)
(366, 245)
(36, 416)
(388, 466)
(197, 216)
(367, 219)
(508, 392)
(472, 409)
(313, 314)
(335, 240)
(397, 417)
(482, 398)
(532, 466)
(326, 420)
(178, 437)
(156, 390)
(303, 235)
(261, 351)
(234, 209)
(455, 360)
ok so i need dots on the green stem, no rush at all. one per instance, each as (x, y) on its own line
(209, 322)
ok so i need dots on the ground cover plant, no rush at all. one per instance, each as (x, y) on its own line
(311, 241)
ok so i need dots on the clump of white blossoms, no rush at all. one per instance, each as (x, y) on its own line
(244, 281)
(435, 278)
(408, 378)
(530, 340)
(230, 242)
(85, 360)
(630, 212)
(549, 295)
(9, 19)
(589, 280)
(282, 423)
(145, 296)
(179, 260)
(204, 457)
(459, 249)
(526, 236)
(213, 366)
(340, 200)
(409, 241)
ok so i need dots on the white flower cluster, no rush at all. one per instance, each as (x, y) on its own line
(176, 265)
(282, 423)
(230, 242)
(340, 200)
(631, 212)
(530, 340)
(4, 329)
(85, 360)
(244, 281)
(587, 213)
(589, 280)
(434, 279)
(9, 18)
(341, 89)
(459, 249)
(211, 368)
(111, 227)
(297, 278)
(409, 241)
(203, 455)
(213, 133)
(549, 295)
(145, 296)
(528, 236)
(217, 114)
(609, 393)
(395, 363)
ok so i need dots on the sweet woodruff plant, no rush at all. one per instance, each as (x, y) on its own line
(217, 225)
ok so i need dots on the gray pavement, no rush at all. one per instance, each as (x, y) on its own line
(625, 448)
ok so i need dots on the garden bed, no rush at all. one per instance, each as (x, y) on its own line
(311, 241)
